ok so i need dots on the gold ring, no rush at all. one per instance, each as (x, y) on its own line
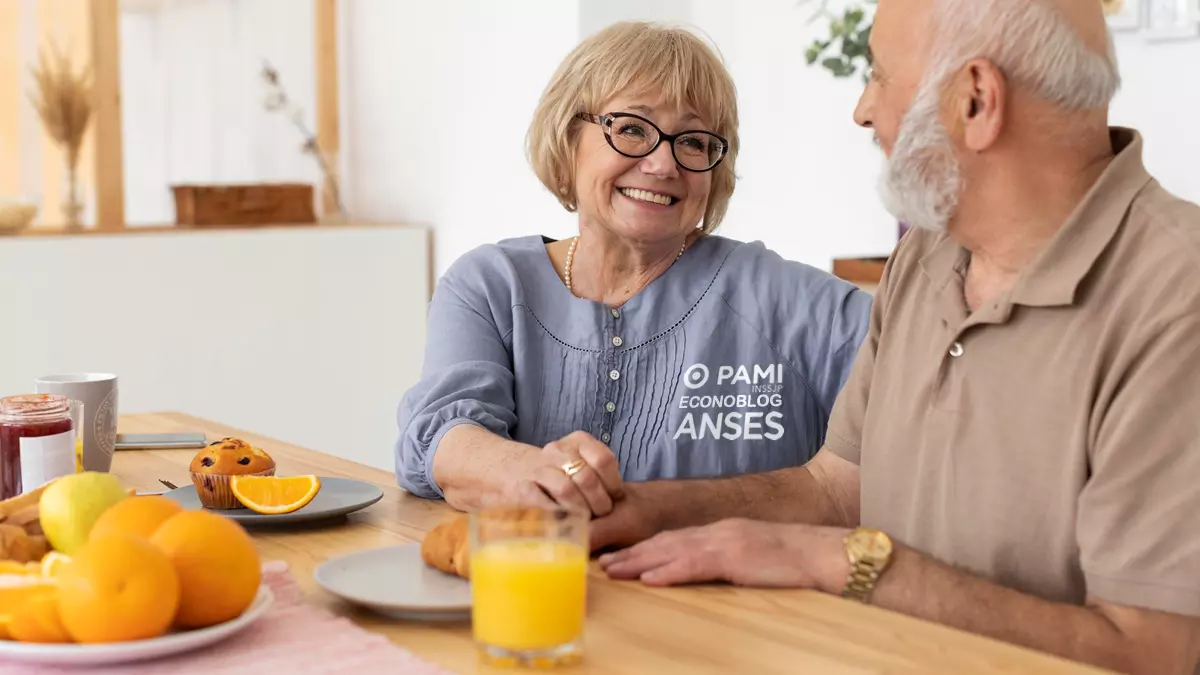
(574, 467)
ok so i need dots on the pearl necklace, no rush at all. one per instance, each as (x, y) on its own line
(571, 261)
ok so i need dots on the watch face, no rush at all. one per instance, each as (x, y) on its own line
(870, 544)
(878, 545)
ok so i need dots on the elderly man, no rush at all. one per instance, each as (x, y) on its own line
(1017, 450)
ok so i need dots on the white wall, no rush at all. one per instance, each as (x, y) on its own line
(308, 335)
(439, 98)
(1161, 98)
(594, 15)
(808, 174)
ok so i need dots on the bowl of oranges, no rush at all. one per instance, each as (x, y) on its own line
(127, 578)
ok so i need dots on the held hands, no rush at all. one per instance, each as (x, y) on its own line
(576, 472)
(742, 552)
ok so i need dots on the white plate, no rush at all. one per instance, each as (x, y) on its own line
(137, 650)
(395, 582)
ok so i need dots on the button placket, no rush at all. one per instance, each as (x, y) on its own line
(947, 386)
(614, 375)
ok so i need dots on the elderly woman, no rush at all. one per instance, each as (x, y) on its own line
(644, 347)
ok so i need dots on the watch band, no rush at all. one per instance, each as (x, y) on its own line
(869, 552)
(860, 583)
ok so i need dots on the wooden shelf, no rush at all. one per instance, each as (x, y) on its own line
(46, 232)
(862, 271)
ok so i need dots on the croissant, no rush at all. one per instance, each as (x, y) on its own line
(19, 546)
(446, 547)
(21, 536)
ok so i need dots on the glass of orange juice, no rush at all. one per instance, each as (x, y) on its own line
(76, 408)
(528, 572)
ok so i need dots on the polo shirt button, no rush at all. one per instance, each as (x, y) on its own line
(610, 406)
(614, 374)
(605, 437)
(956, 349)
(616, 313)
(617, 341)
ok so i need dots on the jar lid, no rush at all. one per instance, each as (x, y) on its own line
(35, 405)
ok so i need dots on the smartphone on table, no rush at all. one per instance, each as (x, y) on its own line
(177, 441)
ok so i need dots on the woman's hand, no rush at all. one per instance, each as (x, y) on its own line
(578, 472)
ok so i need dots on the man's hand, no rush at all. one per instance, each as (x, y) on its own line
(743, 552)
(634, 518)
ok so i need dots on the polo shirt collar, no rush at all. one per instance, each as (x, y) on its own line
(945, 261)
(1054, 275)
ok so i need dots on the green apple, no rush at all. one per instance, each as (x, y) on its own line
(70, 506)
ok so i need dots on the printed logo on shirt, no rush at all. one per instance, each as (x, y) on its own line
(744, 406)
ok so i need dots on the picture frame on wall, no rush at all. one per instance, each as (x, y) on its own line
(1172, 19)
(1124, 15)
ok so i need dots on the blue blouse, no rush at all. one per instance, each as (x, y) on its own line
(727, 363)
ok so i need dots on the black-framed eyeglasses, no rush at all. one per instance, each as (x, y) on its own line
(635, 136)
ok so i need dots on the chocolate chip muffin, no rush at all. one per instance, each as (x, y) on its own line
(214, 466)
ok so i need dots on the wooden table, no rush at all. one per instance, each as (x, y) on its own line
(631, 628)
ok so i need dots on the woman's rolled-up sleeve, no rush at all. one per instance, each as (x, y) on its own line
(466, 378)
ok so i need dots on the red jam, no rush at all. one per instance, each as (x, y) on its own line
(27, 416)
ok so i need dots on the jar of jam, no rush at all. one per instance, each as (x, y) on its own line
(37, 441)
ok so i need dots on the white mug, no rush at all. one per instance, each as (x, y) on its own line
(98, 392)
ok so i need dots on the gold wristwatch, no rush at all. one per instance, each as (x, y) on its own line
(869, 552)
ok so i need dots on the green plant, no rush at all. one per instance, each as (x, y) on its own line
(844, 52)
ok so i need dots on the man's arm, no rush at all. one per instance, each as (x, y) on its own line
(1117, 637)
(752, 553)
(822, 492)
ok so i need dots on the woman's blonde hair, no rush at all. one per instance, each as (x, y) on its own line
(632, 58)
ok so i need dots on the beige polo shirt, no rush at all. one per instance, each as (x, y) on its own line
(1049, 441)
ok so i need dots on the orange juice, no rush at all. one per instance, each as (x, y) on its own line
(529, 594)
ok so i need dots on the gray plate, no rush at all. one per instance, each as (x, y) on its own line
(338, 497)
(395, 582)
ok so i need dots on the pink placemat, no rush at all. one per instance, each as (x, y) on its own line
(293, 637)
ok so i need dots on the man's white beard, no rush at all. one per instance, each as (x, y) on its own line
(920, 182)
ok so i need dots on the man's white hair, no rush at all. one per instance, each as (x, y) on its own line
(1030, 41)
(1034, 45)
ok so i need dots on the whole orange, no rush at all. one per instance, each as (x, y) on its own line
(138, 516)
(117, 588)
(218, 567)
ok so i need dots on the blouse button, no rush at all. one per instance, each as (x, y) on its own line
(610, 406)
(605, 437)
(617, 341)
(614, 374)
(616, 313)
(956, 349)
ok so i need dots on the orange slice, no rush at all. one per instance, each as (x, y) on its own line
(14, 567)
(38, 621)
(17, 589)
(53, 563)
(275, 494)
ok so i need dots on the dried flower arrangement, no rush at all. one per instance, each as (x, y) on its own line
(63, 100)
(277, 101)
